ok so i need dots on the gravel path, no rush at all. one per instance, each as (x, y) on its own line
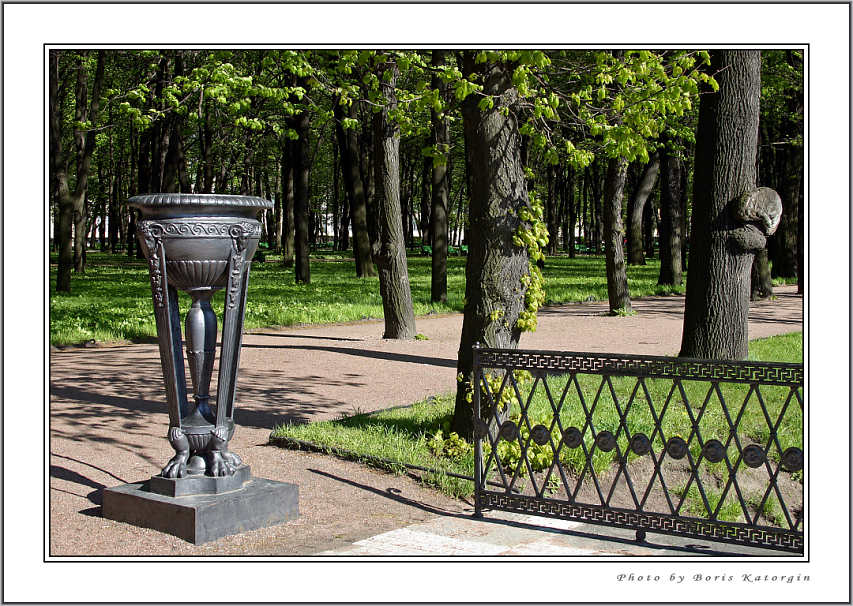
(108, 420)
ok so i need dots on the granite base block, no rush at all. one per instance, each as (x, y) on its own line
(202, 518)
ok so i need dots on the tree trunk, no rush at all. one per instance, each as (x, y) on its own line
(685, 224)
(424, 220)
(761, 284)
(595, 208)
(391, 260)
(348, 145)
(59, 177)
(440, 190)
(301, 209)
(551, 215)
(722, 243)
(801, 242)
(368, 176)
(569, 233)
(670, 220)
(614, 254)
(288, 242)
(785, 259)
(493, 292)
(650, 226)
(636, 208)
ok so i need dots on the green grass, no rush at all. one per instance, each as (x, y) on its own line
(112, 300)
(397, 434)
(406, 434)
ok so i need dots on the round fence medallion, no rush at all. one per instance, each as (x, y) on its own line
(572, 437)
(540, 435)
(480, 428)
(509, 431)
(792, 459)
(640, 444)
(605, 441)
(713, 451)
(753, 456)
(676, 448)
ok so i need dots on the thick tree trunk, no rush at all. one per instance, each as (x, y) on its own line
(493, 292)
(670, 220)
(300, 200)
(722, 242)
(348, 145)
(635, 212)
(614, 254)
(391, 260)
(440, 191)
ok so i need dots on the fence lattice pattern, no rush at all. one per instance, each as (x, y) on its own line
(703, 449)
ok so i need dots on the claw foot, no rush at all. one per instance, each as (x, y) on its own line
(232, 458)
(217, 465)
(177, 466)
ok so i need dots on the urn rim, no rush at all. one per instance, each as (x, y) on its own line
(190, 202)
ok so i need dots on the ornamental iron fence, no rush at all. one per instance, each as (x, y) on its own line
(678, 446)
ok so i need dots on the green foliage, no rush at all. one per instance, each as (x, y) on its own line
(451, 447)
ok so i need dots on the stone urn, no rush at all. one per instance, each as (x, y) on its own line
(199, 244)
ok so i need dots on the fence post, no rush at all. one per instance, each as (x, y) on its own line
(478, 439)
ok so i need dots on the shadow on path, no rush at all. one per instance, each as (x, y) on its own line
(366, 353)
(392, 494)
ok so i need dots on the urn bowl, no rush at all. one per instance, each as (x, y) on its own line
(197, 231)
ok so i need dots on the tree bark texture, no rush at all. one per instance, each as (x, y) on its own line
(761, 283)
(614, 255)
(440, 191)
(638, 203)
(348, 145)
(722, 245)
(785, 259)
(288, 243)
(301, 192)
(670, 220)
(391, 260)
(493, 292)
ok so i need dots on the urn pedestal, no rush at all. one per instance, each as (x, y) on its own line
(198, 244)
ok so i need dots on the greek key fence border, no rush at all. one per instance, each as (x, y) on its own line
(656, 367)
(724, 532)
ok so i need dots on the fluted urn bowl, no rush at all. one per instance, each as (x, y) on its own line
(197, 232)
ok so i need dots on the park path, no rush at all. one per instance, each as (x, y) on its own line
(107, 419)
